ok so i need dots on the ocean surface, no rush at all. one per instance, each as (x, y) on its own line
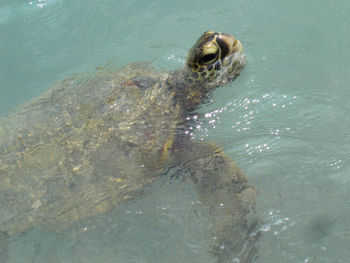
(285, 120)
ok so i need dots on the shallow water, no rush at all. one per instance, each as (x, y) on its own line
(284, 120)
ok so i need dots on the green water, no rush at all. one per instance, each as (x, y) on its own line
(285, 120)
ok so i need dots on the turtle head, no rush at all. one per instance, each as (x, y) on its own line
(214, 59)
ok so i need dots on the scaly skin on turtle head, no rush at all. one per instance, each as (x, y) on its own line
(213, 60)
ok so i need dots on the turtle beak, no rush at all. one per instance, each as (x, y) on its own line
(235, 58)
(235, 46)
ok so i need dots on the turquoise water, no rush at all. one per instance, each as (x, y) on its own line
(285, 120)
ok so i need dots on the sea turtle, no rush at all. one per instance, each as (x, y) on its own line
(96, 140)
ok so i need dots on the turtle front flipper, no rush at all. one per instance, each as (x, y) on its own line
(4, 247)
(223, 188)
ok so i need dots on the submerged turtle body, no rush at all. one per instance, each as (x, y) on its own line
(85, 147)
(95, 141)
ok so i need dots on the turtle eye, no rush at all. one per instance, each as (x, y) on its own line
(208, 58)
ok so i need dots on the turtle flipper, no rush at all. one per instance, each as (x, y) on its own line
(224, 189)
(4, 247)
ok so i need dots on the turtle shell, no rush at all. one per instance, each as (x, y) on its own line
(91, 143)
